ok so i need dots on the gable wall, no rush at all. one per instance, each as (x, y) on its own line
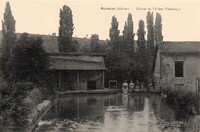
(191, 72)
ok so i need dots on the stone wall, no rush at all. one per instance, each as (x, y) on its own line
(191, 72)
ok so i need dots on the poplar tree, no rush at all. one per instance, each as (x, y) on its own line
(8, 40)
(114, 32)
(150, 41)
(65, 30)
(141, 56)
(128, 33)
(158, 29)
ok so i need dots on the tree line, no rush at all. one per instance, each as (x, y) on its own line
(132, 59)
(127, 57)
(136, 56)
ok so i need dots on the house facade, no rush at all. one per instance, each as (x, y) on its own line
(76, 72)
(178, 66)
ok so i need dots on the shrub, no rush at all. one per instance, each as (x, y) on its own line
(182, 99)
(12, 104)
(34, 97)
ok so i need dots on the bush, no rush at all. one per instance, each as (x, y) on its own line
(34, 97)
(13, 105)
(18, 99)
(183, 100)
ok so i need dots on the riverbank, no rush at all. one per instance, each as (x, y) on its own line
(104, 91)
(99, 91)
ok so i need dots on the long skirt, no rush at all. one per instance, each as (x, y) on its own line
(125, 89)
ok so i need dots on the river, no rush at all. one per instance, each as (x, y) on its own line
(140, 112)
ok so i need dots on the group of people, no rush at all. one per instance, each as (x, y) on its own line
(131, 86)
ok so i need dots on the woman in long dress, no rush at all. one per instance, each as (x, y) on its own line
(125, 87)
(137, 85)
(131, 86)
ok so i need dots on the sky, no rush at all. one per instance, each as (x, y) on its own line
(180, 18)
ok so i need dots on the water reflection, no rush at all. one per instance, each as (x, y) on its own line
(90, 113)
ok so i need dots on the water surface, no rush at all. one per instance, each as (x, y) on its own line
(111, 113)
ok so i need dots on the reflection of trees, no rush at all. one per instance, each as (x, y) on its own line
(113, 100)
(139, 102)
(160, 108)
(84, 107)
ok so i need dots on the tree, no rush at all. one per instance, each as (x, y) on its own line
(128, 29)
(150, 41)
(94, 45)
(119, 60)
(141, 61)
(66, 30)
(114, 32)
(128, 35)
(158, 29)
(27, 58)
(8, 40)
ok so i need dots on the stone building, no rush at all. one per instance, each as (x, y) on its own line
(78, 71)
(178, 66)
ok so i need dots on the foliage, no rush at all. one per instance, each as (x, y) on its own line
(150, 42)
(128, 34)
(34, 96)
(65, 43)
(27, 58)
(8, 40)
(158, 29)
(13, 105)
(142, 66)
(120, 59)
(85, 49)
(128, 29)
(181, 99)
(114, 32)
(94, 45)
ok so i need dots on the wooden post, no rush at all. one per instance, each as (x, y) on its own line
(78, 80)
(103, 80)
(59, 80)
(78, 107)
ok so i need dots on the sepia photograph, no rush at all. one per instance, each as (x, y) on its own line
(99, 66)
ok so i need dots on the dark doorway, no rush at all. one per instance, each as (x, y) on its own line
(91, 85)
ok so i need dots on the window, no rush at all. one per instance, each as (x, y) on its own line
(179, 68)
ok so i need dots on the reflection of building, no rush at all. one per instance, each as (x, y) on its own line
(78, 71)
(177, 65)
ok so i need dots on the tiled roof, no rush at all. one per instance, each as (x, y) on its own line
(72, 64)
(185, 47)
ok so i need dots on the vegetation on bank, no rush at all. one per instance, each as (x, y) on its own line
(24, 82)
(186, 102)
